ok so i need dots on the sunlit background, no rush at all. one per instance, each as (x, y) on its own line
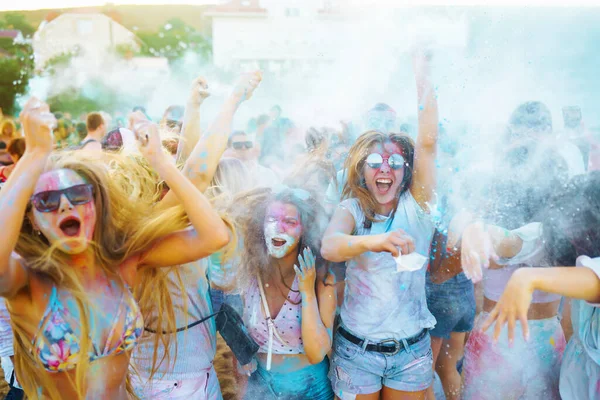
(323, 60)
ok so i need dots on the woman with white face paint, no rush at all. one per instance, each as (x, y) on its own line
(289, 299)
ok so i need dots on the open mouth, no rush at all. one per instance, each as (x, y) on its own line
(70, 226)
(383, 185)
(278, 242)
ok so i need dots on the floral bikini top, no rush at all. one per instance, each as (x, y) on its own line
(57, 341)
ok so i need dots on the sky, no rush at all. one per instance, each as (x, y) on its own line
(6, 5)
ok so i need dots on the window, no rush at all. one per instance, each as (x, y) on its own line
(292, 12)
(85, 27)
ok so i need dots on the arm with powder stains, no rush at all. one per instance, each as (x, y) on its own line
(318, 308)
(191, 120)
(202, 163)
(424, 170)
(17, 192)
(208, 234)
(340, 245)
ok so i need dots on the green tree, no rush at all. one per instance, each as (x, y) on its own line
(173, 40)
(17, 21)
(16, 62)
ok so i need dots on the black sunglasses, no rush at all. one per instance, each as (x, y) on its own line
(171, 124)
(49, 200)
(375, 160)
(241, 145)
(113, 141)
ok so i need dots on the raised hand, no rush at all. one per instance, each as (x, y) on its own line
(476, 251)
(395, 242)
(247, 84)
(306, 271)
(199, 91)
(38, 123)
(148, 140)
(421, 59)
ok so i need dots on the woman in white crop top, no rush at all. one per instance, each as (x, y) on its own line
(530, 368)
(527, 173)
(568, 237)
(289, 301)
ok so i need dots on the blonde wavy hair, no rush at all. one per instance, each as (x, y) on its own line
(355, 186)
(10, 122)
(126, 224)
(157, 286)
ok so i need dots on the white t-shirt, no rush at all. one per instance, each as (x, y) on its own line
(380, 302)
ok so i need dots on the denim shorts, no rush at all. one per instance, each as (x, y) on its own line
(356, 371)
(452, 303)
(309, 383)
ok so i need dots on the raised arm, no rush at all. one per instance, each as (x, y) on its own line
(424, 176)
(340, 245)
(208, 234)
(202, 163)
(15, 195)
(191, 119)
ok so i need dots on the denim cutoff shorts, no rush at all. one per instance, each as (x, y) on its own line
(356, 371)
(308, 383)
(452, 303)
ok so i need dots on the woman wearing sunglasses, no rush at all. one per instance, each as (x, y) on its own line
(289, 299)
(74, 242)
(382, 347)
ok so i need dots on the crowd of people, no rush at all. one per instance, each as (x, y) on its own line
(338, 263)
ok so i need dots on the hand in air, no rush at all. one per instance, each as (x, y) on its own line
(306, 271)
(513, 304)
(396, 242)
(476, 251)
(148, 138)
(246, 85)
(199, 91)
(38, 123)
(421, 58)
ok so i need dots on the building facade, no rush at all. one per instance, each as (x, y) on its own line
(275, 35)
(87, 34)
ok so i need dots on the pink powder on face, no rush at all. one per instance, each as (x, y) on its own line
(384, 171)
(58, 179)
(282, 223)
(49, 222)
(287, 218)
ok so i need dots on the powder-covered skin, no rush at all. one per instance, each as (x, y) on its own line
(282, 222)
(525, 370)
(270, 234)
(48, 223)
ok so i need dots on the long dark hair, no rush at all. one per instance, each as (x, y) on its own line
(571, 221)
